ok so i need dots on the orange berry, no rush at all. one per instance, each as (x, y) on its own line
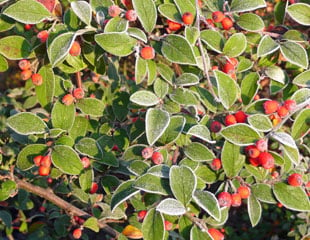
(244, 192)
(266, 160)
(290, 104)
(282, 111)
(228, 68)
(256, 97)
(141, 215)
(68, 99)
(26, 74)
(233, 61)
(43, 36)
(44, 171)
(157, 158)
(75, 49)
(235, 200)
(37, 79)
(77, 233)
(230, 120)
(188, 18)
(215, 68)
(37, 160)
(94, 188)
(254, 162)
(216, 234)
(131, 15)
(147, 53)
(78, 93)
(24, 64)
(173, 26)
(216, 164)
(215, 126)
(114, 11)
(218, 16)
(270, 106)
(252, 151)
(168, 225)
(280, 205)
(210, 22)
(85, 162)
(147, 152)
(295, 180)
(227, 23)
(224, 199)
(241, 117)
(46, 161)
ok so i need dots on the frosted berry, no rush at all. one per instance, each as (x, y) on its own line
(282, 111)
(75, 49)
(215, 234)
(147, 53)
(266, 160)
(252, 151)
(147, 152)
(141, 215)
(241, 117)
(244, 192)
(295, 180)
(157, 158)
(43, 36)
(216, 164)
(188, 18)
(46, 161)
(114, 11)
(218, 16)
(270, 106)
(24, 64)
(173, 26)
(77, 233)
(228, 68)
(262, 145)
(224, 199)
(85, 161)
(94, 188)
(44, 171)
(227, 23)
(230, 120)
(290, 104)
(131, 15)
(168, 225)
(68, 99)
(78, 93)
(215, 126)
(37, 79)
(235, 200)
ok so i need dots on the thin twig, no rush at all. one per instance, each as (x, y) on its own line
(175, 155)
(198, 222)
(78, 79)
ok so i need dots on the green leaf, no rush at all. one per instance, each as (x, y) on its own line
(300, 12)
(266, 46)
(147, 14)
(45, 92)
(153, 184)
(185, 225)
(92, 224)
(235, 45)
(173, 130)
(200, 131)
(213, 39)
(133, 152)
(251, 22)
(249, 87)
(301, 95)
(284, 138)
(83, 10)
(183, 183)
(187, 79)
(224, 217)
(186, 6)
(140, 70)
(207, 99)
(26, 123)
(254, 210)
(6, 218)
(119, 44)
(3, 64)
(240, 134)
(246, 5)
(156, 122)
(153, 226)
(165, 72)
(144, 98)
(7, 188)
(227, 89)
(161, 171)
(27, 11)
(26, 155)
(59, 48)
(260, 122)
(66, 160)
(232, 160)
(116, 24)
(208, 202)
(88, 146)
(86, 178)
(6, 23)
(300, 126)
(91, 106)
(177, 49)
(122, 193)
(63, 116)
(303, 79)
(198, 152)
(244, 65)
(294, 198)
(137, 33)
(191, 34)
(161, 88)
(109, 159)
(292, 154)
(295, 36)
(295, 53)
(196, 233)
(138, 167)
(15, 47)
(184, 96)
(275, 73)
(120, 105)
(170, 11)
(171, 207)
(263, 192)
(79, 128)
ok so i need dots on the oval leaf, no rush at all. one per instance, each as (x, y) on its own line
(303, 79)
(63, 116)
(153, 184)
(15, 47)
(171, 207)
(153, 226)
(187, 79)
(147, 14)
(300, 126)
(83, 10)
(144, 98)
(295, 53)
(198, 152)
(26, 155)
(202, 132)
(91, 106)
(275, 73)
(170, 11)
(213, 39)
(300, 12)
(249, 87)
(173, 130)
(235, 45)
(263, 192)
(45, 92)
(267, 46)
(254, 210)
(251, 22)
(284, 138)
(260, 122)
(246, 5)
(88, 146)
(208, 202)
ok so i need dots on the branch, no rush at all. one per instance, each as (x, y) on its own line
(198, 222)
(50, 196)
(78, 79)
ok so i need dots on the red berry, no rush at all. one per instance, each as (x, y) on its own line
(28, 26)
(241, 117)
(228, 68)
(141, 215)
(270, 106)
(157, 158)
(114, 11)
(85, 162)
(215, 68)
(115, 148)
(256, 97)
(24, 64)
(227, 23)
(254, 161)
(233, 61)
(49, 180)
(210, 22)
(252, 151)
(147, 152)
(216, 164)
(44, 171)
(230, 120)
(42, 209)
(26, 74)
(266, 160)
(37, 160)
(168, 225)
(37, 79)
(43, 36)
(262, 145)
(188, 18)
(235, 200)
(295, 180)
(274, 175)
(131, 15)
(216, 234)
(68, 99)
(147, 53)
(75, 49)
(215, 126)
(290, 104)
(282, 111)
(77, 233)
(218, 16)
(280, 205)
(173, 26)
(94, 188)
(46, 161)
(308, 184)
(78, 93)
(224, 199)
(244, 192)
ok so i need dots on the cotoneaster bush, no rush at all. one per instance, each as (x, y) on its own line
(180, 119)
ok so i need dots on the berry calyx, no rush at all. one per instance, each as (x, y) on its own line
(157, 158)
(295, 180)
(218, 16)
(282, 111)
(147, 53)
(270, 106)
(215, 234)
(24, 64)
(141, 215)
(147, 152)
(252, 151)
(114, 11)
(262, 145)
(235, 200)
(94, 188)
(75, 49)
(266, 160)
(44, 171)
(131, 15)
(173, 26)
(168, 225)
(228, 68)
(241, 117)
(85, 161)
(37, 160)
(188, 18)
(68, 99)
(78, 93)
(215, 127)
(37, 79)
(43, 36)
(290, 104)
(77, 233)
(244, 192)
(216, 164)
(224, 199)
(46, 161)
(230, 120)
(227, 23)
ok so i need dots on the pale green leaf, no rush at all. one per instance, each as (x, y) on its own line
(232, 159)
(260, 122)
(171, 207)
(122, 193)
(15, 47)
(147, 14)
(83, 10)
(246, 5)
(266, 46)
(250, 22)
(300, 12)
(208, 202)
(303, 79)
(153, 226)
(300, 126)
(198, 152)
(235, 45)
(254, 210)
(213, 39)
(63, 116)
(295, 53)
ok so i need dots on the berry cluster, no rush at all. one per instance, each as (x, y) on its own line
(69, 98)
(219, 17)
(44, 163)
(26, 73)
(157, 157)
(227, 199)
